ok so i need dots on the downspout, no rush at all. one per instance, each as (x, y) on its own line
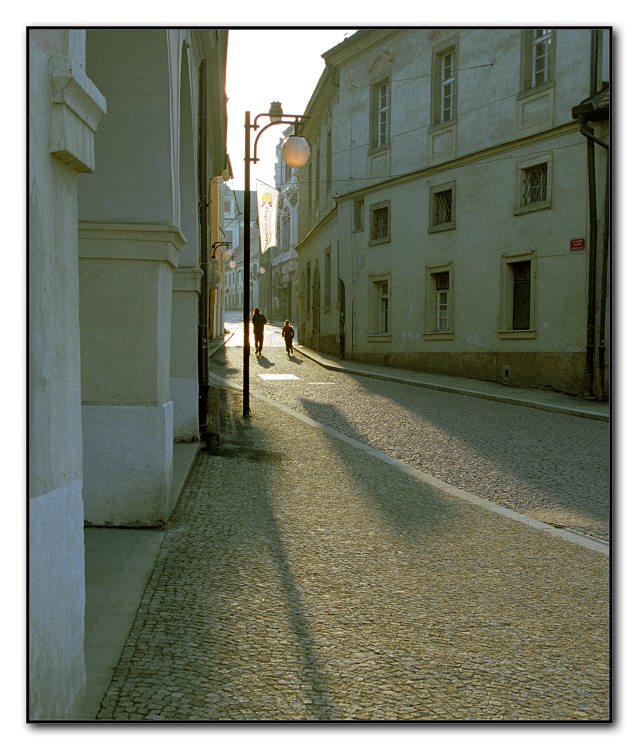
(592, 258)
(604, 285)
(203, 313)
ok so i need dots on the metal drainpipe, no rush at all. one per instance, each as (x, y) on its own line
(592, 258)
(604, 285)
(592, 265)
(202, 328)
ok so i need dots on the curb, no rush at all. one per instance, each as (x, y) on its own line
(567, 410)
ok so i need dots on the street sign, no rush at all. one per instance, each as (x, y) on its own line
(577, 243)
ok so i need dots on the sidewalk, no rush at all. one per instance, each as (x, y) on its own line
(355, 591)
(534, 398)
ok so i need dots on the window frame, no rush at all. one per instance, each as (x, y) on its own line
(440, 52)
(327, 278)
(506, 329)
(432, 331)
(371, 213)
(522, 168)
(359, 213)
(434, 191)
(527, 78)
(378, 308)
(375, 110)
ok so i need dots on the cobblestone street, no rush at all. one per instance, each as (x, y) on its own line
(303, 579)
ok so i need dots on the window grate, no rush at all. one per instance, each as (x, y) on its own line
(534, 184)
(379, 229)
(443, 207)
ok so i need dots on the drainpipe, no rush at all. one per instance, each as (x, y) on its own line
(203, 313)
(592, 259)
(604, 285)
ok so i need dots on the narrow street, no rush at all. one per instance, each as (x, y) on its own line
(302, 578)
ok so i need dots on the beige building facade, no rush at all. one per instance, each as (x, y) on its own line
(127, 135)
(445, 220)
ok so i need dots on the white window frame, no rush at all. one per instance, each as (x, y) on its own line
(380, 114)
(534, 48)
(541, 42)
(444, 84)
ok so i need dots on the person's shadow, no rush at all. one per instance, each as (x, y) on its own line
(263, 362)
(295, 359)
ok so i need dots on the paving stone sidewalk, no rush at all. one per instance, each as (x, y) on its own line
(301, 579)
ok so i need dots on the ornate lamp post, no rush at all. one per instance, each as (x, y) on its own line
(295, 152)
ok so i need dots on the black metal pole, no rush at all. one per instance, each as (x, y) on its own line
(203, 313)
(246, 409)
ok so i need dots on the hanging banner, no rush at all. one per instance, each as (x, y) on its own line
(267, 215)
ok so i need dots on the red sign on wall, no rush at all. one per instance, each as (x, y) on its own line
(578, 243)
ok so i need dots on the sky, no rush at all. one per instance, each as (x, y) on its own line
(265, 65)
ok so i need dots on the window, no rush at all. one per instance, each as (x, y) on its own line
(537, 58)
(533, 186)
(541, 56)
(380, 114)
(317, 172)
(439, 321)
(442, 208)
(521, 295)
(380, 306)
(380, 223)
(358, 214)
(329, 161)
(441, 302)
(327, 279)
(447, 86)
(518, 296)
(444, 85)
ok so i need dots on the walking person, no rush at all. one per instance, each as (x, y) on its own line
(288, 332)
(259, 321)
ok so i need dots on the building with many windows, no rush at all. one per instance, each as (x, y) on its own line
(452, 216)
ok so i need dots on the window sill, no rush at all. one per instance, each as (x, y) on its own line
(441, 227)
(383, 241)
(541, 206)
(523, 334)
(531, 91)
(443, 125)
(379, 337)
(439, 336)
(373, 151)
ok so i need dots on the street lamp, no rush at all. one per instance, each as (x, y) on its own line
(295, 152)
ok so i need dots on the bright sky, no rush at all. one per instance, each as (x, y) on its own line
(265, 65)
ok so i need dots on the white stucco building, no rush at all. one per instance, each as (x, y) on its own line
(127, 146)
(234, 265)
(447, 220)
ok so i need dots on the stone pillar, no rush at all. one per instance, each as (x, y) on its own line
(126, 295)
(64, 109)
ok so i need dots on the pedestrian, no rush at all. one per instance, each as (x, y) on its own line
(288, 333)
(259, 321)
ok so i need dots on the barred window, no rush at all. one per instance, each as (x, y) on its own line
(443, 207)
(380, 223)
(534, 184)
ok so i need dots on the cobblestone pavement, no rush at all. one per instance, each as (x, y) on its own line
(550, 466)
(302, 579)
